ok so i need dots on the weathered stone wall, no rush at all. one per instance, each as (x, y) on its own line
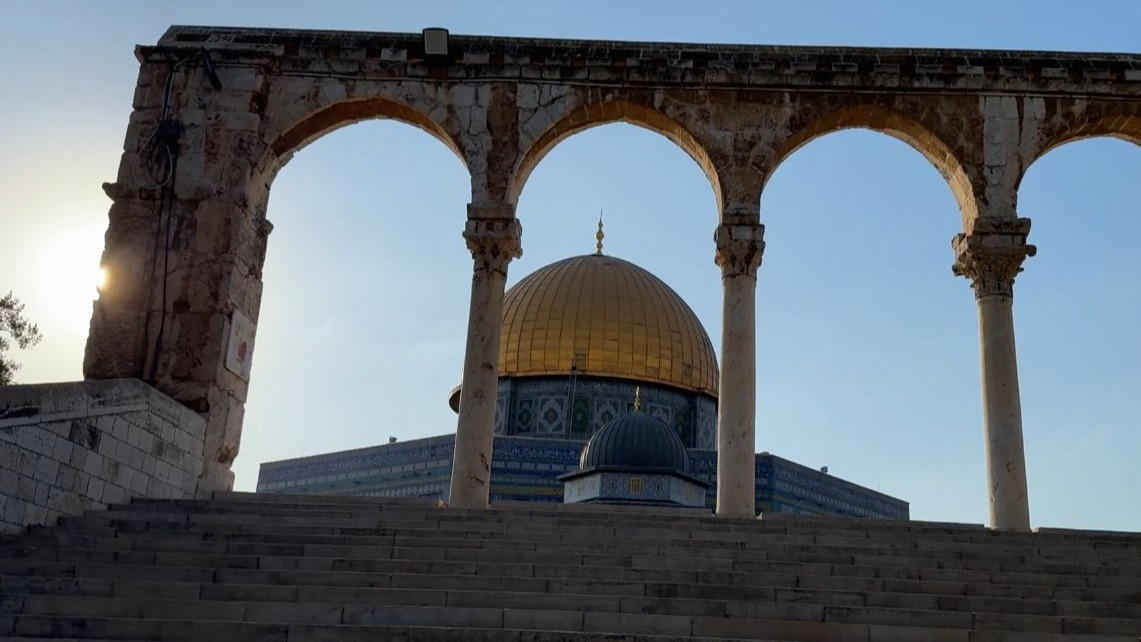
(69, 447)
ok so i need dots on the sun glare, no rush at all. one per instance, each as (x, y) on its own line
(70, 277)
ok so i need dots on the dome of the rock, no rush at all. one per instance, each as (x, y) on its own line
(602, 316)
(635, 441)
(579, 335)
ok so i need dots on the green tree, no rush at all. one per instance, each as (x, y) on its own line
(14, 327)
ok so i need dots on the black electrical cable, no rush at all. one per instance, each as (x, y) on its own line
(166, 201)
(157, 215)
(156, 150)
(160, 151)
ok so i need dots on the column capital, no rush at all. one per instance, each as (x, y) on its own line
(739, 249)
(991, 254)
(493, 242)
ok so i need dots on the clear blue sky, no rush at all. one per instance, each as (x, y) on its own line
(867, 346)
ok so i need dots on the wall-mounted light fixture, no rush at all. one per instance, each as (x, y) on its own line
(435, 45)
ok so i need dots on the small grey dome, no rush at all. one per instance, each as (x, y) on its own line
(635, 440)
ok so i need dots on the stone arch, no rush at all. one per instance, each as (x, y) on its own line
(235, 213)
(593, 114)
(898, 125)
(1060, 132)
(373, 231)
(315, 124)
(1084, 223)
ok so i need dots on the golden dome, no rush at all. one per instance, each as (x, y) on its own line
(605, 317)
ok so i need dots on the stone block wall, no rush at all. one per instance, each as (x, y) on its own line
(69, 447)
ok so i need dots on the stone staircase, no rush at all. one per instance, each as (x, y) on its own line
(317, 569)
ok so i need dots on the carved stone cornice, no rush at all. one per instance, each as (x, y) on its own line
(658, 64)
(739, 249)
(493, 242)
(991, 255)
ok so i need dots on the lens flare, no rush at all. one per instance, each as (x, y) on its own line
(70, 279)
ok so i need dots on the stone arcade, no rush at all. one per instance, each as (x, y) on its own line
(981, 117)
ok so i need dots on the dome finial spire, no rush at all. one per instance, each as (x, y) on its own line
(599, 235)
(637, 398)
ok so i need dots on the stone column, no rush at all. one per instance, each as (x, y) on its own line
(739, 249)
(991, 255)
(493, 243)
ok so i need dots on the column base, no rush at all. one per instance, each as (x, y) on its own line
(727, 514)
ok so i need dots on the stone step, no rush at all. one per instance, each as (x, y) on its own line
(860, 528)
(444, 590)
(383, 535)
(208, 539)
(532, 511)
(325, 557)
(346, 633)
(586, 510)
(1126, 561)
(136, 563)
(461, 623)
(252, 542)
(1036, 547)
(287, 586)
(171, 522)
(492, 516)
(324, 611)
(488, 518)
(305, 568)
(444, 522)
(627, 581)
(194, 541)
(132, 564)
(373, 573)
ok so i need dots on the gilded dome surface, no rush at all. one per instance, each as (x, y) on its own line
(604, 317)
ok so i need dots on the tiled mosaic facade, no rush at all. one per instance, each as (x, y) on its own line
(576, 408)
(526, 468)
